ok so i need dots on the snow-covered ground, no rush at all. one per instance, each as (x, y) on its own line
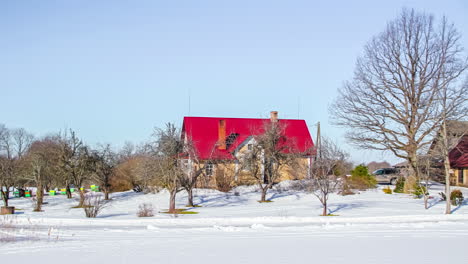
(370, 227)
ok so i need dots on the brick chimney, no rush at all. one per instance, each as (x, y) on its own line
(222, 134)
(274, 116)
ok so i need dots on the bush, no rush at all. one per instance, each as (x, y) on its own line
(400, 185)
(361, 179)
(346, 187)
(387, 190)
(223, 183)
(456, 197)
(93, 205)
(145, 210)
(419, 191)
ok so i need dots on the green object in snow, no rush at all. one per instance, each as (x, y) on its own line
(72, 189)
(52, 193)
(27, 193)
(16, 194)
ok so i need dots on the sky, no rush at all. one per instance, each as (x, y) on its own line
(114, 70)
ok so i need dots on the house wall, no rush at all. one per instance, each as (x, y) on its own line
(455, 177)
(227, 173)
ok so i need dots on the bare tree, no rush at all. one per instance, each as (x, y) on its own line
(76, 164)
(13, 145)
(393, 102)
(104, 164)
(324, 178)
(193, 168)
(271, 152)
(425, 172)
(42, 158)
(167, 150)
(451, 134)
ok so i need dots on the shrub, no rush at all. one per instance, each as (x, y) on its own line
(346, 187)
(145, 210)
(387, 190)
(223, 183)
(419, 191)
(361, 179)
(456, 197)
(400, 185)
(93, 205)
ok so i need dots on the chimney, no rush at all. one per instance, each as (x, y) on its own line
(274, 116)
(222, 134)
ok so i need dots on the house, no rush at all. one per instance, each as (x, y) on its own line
(458, 155)
(218, 143)
(457, 133)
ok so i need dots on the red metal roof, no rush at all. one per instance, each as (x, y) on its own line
(459, 155)
(203, 131)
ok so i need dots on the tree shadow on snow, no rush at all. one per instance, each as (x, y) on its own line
(284, 194)
(111, 215)
(465, 202)
(337, 207)
(221, 200)
(434, 203)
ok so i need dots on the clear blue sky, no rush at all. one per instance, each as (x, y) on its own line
(112, 70)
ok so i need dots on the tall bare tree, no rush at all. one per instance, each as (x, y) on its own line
(14, 144)
(76, 163)
(271, 153)
(168, 148)
(393, 102)
(42, 161)
(324, 175)
(194, 167)
(104, 163)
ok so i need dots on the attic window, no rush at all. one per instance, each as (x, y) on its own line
(230, 139)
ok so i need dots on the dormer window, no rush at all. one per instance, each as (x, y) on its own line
(230, 139)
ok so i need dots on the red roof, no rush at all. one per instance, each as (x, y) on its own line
(459, 155)
(203, 131)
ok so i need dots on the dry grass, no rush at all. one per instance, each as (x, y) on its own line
(179, 211)
(145, 210)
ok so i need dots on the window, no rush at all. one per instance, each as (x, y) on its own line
(378, 172)
(209, 169)
(230, 139)
(460, 176)
(250, 147)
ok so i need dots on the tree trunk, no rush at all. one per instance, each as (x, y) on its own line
(264, 193)
(82, 198)
(69, 194)
(325, 209)
(426, 198)
(190, 197)
(106, 194)
(5, 195)
(39, 198)
(412, 178)
(448, 209)
(172, 199)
